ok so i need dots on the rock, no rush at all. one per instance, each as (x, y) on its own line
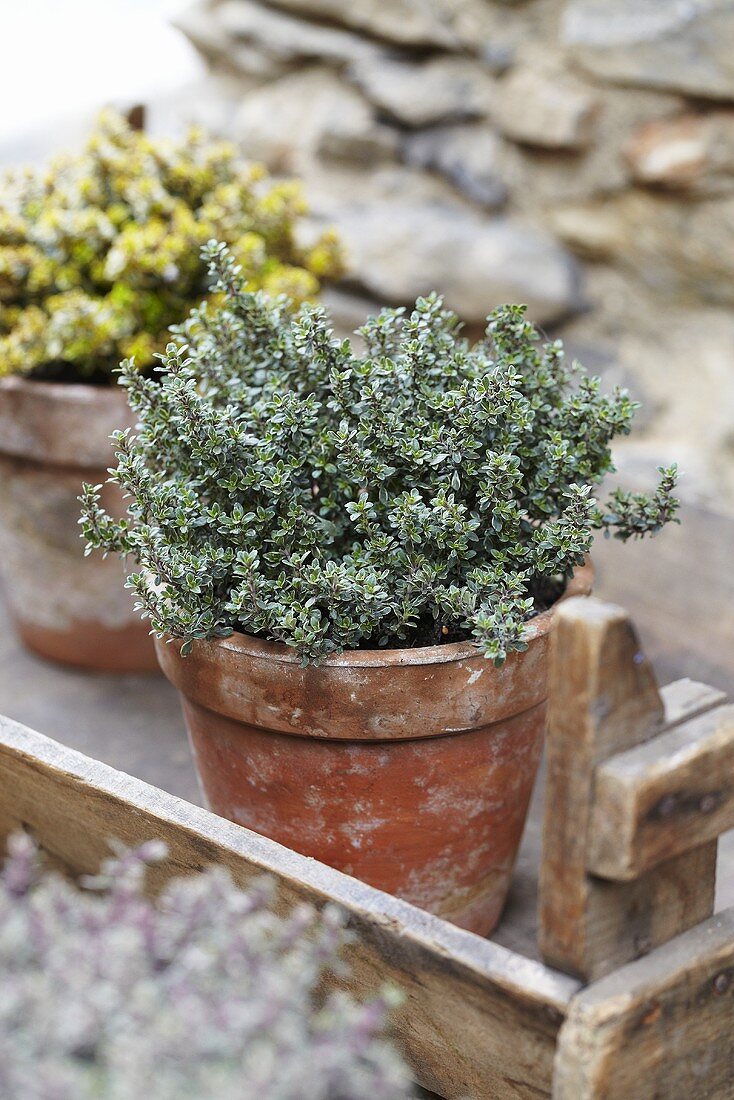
(288, 123)
(551, 110)
(691, 152)
(590, 230)
(202, 29)
(251, 62)
(682, 46)
(409, 234)
(422, 94)
(286, 39)
(539, 179)
(496, 262)
(467, 155)
(681, 251)
(497, 56)
(357, 138)
(405, 22)
(342, 188)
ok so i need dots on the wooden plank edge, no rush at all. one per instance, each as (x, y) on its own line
(486, 959)
(663, 798)
(662, 1026)
(685, 699)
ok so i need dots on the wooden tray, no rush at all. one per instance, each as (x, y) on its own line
(480, 1020)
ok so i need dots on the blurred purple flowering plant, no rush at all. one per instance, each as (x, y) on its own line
(204, 995)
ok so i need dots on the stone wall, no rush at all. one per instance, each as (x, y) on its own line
(577, 155)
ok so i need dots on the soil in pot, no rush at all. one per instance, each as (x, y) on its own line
(68, 608)
(410, 769)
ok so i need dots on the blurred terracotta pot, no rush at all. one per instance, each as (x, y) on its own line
(53, 437)
(410, 769)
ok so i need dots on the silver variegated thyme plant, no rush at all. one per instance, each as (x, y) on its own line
(286, 485)
(205, 996)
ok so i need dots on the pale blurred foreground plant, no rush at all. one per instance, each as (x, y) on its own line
(206, 995)
(430, 490)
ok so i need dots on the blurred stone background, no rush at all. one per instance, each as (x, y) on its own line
(577, 155)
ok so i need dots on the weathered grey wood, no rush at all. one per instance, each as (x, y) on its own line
(518, 929)
(477, 1021)
(661, 1028)
(670, 795)
(602, 695)
(603, 700)
(685, 699)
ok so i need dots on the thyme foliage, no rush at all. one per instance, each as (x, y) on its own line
(286, 485)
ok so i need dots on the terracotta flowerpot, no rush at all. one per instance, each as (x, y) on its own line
(410, 769)
(53, 437)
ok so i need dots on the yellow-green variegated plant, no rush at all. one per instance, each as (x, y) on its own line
(100, 251)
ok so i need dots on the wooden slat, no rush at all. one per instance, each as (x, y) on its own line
(518, 929)
(685, 699)
(661, 1028)
(477, 1019)
(670, 795)
(603, 700)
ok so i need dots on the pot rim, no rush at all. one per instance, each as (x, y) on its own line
(580, 584)
(69, 392)
(61, 424)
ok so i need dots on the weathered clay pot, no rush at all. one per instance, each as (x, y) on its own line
(53, 437)
(410, 769)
